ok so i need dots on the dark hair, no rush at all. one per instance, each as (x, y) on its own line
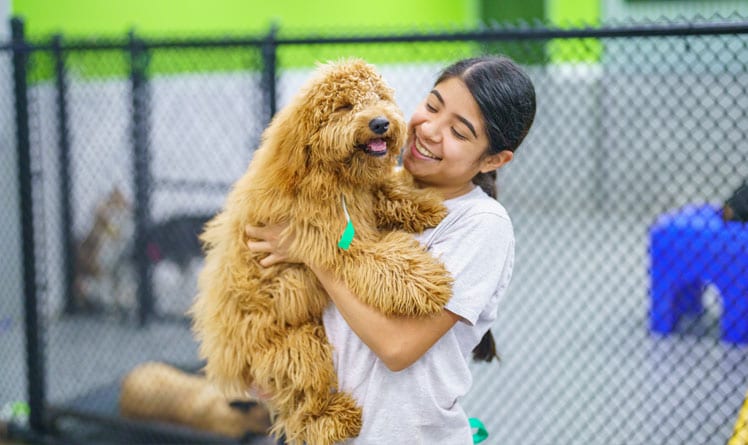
(736, 206)
(506, 98)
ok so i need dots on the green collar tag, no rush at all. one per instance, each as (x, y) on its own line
(481, 434)
(347, 237)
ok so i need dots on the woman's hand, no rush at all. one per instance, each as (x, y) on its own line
(269, 239)
(256, 393)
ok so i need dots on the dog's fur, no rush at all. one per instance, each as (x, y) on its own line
(156, 391)
(262, 327)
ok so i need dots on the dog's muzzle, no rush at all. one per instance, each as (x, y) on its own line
(375, 147)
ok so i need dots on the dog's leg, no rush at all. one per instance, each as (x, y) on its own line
(223, 313)
(398, 205)
(298, 373)
(397, 276)
(392, 273)
(253, 327)
(312, 411)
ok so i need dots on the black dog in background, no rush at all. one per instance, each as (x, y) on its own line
(176, 239)
(736, 206)
(174, 251)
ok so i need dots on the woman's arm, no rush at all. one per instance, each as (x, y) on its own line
(397, 341)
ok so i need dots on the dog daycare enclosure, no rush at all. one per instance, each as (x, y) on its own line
(627, 317)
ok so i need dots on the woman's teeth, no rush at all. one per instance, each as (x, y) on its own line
(424, 152)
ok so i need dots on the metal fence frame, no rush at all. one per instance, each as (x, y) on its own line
(137, 49)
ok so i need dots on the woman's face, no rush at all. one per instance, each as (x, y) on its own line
(447, 140)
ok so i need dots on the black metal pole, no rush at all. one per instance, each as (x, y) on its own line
(34, 344)
(66, 190)
(269, 81)
(141, 165)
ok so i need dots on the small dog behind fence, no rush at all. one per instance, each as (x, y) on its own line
(105, 272)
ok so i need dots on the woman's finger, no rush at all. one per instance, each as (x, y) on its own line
(259, 246)
(256, 393)
(270, 260)
(254, 232)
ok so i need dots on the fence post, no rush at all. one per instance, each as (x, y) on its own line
(269, 81)
(142, 174)
(63, 143)
(34, 344)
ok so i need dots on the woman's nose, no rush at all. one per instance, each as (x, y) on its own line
(430, 131)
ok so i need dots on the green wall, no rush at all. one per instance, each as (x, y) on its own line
(187, 17)
(516, 12)
(183, 18)
(574, 13)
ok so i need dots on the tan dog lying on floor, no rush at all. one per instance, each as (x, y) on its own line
(159, 392)
(326, 167)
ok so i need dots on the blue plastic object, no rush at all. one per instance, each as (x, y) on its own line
(690, 248)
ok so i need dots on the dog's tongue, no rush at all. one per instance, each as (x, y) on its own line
(377, 145)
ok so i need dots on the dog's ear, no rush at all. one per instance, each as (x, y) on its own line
(118, 198)
(286, 144)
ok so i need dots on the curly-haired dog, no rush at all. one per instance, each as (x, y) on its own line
(326, 167)
(156, 391)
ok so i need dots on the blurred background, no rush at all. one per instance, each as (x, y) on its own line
(123, 124)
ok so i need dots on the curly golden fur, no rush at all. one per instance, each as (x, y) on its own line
(156, 391)
(263, 326)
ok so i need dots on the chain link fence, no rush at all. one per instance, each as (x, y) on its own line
(626, 321)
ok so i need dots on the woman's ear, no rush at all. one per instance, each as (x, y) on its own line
(492, 162)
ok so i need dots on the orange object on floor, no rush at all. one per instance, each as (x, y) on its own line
(740, 433)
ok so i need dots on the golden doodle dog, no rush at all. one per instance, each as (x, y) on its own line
(326, 167)
(160, 392)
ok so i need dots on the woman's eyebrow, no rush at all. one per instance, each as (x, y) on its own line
(467, 124)
(438, 96)
(462, 119)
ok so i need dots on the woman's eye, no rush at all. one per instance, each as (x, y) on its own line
(430, 108)
(458, 135)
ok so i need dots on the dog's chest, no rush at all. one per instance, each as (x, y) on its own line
(357, 210)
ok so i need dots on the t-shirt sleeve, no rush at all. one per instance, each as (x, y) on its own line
(479, 252)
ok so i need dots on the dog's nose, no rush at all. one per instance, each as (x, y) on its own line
(379, 125)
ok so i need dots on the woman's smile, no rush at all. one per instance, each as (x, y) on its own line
(422, 152)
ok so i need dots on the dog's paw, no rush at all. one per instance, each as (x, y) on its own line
(340, 420)
(427, 296)
(397, 276)
(428, 215)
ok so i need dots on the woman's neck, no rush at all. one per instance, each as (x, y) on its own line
(449, 192)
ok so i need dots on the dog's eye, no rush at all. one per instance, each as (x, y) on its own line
(342, 108)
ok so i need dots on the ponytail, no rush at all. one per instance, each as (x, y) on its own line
(486, 349)
(487, 181)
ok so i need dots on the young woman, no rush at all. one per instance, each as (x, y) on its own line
(409, 374)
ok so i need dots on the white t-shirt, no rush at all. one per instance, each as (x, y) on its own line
(420, 404)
